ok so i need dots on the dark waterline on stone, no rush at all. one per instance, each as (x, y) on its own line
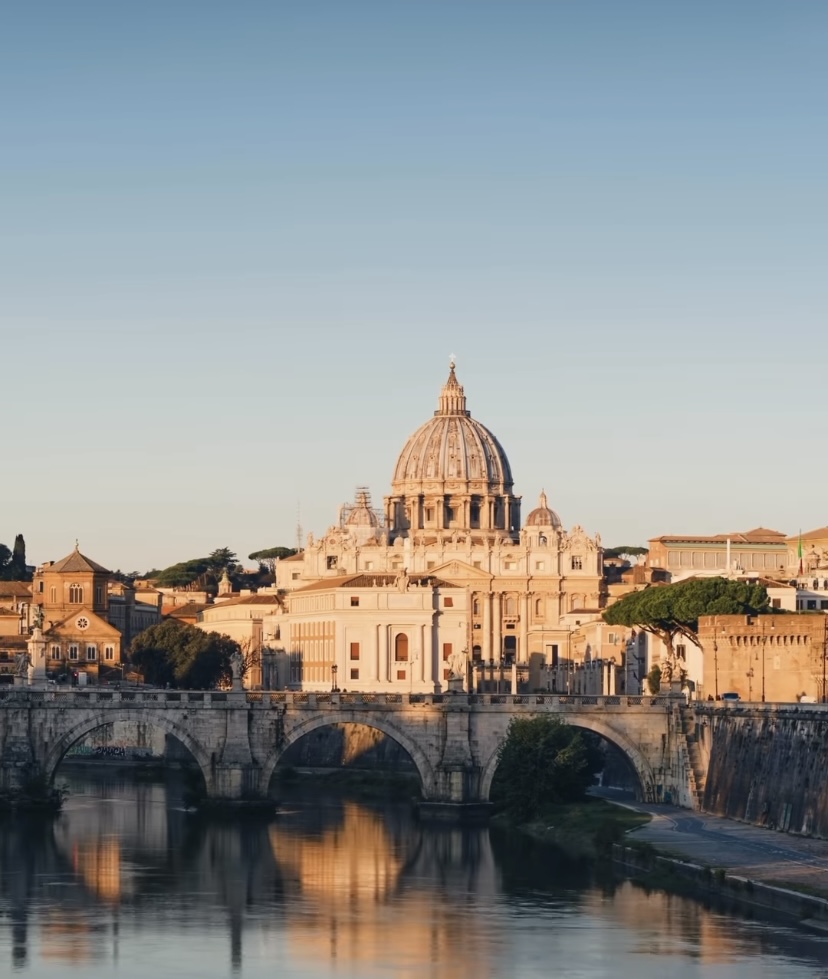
(126, 883)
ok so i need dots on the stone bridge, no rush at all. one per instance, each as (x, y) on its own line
(237, 738)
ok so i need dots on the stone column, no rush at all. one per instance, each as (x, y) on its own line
(373, 655)
(523, 641)
(382, 655)
(514, 679)
(497, 626)
(486, 644)
(427, 666)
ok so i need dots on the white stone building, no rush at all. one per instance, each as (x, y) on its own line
(383, 598)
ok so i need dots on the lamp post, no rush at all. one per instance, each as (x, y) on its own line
(749, 676)
(334, 671)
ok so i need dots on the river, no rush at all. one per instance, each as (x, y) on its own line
(125, 883)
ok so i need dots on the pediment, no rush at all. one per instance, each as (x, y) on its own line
(460, 571)
(98, 626)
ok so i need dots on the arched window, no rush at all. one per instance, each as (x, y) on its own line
(509, 607)
(401, 648)
(476, 607)
(76, 594)
(539, 606)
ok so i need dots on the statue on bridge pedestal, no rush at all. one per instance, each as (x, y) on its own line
(237, 669)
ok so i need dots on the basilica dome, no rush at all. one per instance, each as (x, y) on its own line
(452, 476)
(452, 446)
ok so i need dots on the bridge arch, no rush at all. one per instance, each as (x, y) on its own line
(91, 721)
(631, 752)
(294, 732)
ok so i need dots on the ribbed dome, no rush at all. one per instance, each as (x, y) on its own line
(543, 516)
(452, 446)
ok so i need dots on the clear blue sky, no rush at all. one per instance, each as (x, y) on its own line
(239, 241)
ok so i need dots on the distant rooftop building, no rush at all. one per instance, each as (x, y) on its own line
(759, 549)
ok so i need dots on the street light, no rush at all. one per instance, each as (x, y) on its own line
(749, 676)
(334, 687)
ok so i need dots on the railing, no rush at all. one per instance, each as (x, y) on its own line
(335, 700)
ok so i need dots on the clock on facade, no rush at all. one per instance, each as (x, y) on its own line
(82, 622)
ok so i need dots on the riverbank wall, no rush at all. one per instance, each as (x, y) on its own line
(728, 892)
(767, 766)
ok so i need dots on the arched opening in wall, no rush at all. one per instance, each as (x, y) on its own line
(124, 752)
(347, 758)
(611, 770)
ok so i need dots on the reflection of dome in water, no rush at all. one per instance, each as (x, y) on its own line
(452, 446)
(543, 516)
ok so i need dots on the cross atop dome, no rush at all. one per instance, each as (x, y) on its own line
(452, 397)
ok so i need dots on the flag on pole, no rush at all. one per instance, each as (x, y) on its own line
(799, 552)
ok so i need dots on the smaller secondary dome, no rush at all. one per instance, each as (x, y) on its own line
(360, 519)
(543, 516)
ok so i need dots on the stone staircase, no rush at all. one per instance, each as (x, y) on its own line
(698, 768)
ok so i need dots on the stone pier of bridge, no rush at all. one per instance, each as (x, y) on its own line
(237, 738)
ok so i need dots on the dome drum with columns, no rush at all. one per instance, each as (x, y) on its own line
(447, 567)
(452, 474)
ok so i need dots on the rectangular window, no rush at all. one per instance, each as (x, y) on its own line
(99, 594)
(91, 652)
(448, 603)
(53, 595)
(369, 565)
(294, 576)
(823, 602)
(40, 587)
(400, 674)
(109, 652)
(330, 563)
(354, 650)
(354, 674)
(812, 603)
(577, 564)
(776, 603)
(446, 650)
(611, 638)
(73, 651)
(354, 601)
(681, 651)
(539, 566)
(429, 513)
(429, 565)
(55, 652)
(477, 564)
(508, 565)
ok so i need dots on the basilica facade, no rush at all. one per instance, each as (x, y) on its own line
(446, 572)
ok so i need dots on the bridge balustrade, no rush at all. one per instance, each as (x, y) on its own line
(328, 700)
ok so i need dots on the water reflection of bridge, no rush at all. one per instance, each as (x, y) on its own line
(329, 881)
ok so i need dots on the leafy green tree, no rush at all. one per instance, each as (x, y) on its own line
(5, 563)
(670, 611)
(185, 574)
(542, 762)
(222, 559)
(13, 562)
(180, 655)
(270, 555)
(18, 559)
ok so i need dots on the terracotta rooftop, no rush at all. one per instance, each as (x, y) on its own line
(15, 589)
(819, 532)
(76, 562)
(249, 600)
(183, 611)
(376, 579)
(759, 535)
